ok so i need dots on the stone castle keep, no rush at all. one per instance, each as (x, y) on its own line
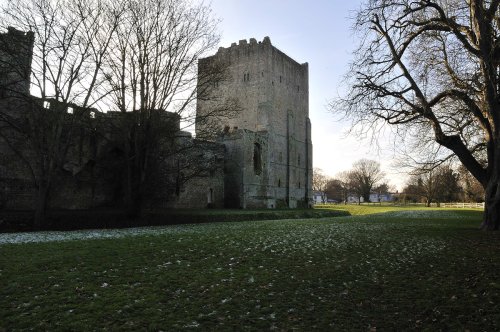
(261, 158)
(268, 161)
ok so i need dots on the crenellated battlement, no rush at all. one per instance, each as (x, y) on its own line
(246, 47)
(244, 44)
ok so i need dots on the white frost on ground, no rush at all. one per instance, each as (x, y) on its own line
(55, 236)
(307, 234)
(58, 236)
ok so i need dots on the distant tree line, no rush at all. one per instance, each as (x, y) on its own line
(365, 179)
(442, 184)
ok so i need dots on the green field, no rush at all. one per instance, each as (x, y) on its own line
(383, 268)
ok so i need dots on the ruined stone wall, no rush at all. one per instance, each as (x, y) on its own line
(16, 185)
(262, 159)
(184, 172)
(78, 183)
(273, 90)
(16, 49)
(189, 174)
(247, 171)
(94, 170)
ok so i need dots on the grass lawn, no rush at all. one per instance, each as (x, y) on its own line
(372, 208)
(394, 269)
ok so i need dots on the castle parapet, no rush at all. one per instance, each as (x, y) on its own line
(252, 45)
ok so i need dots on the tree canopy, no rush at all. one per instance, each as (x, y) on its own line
(430, 69)
(364, 176)
(320, 183)
(438, 185)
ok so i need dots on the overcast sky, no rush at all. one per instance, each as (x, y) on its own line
(318, 32)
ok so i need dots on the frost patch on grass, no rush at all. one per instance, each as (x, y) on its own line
(36, 237)
(191, 229)
(306, 236)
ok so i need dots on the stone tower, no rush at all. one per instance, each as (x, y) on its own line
(16, 51)
(268, 160)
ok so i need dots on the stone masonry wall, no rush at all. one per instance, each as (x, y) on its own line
(273, 89)
(15, 62)
(262, 159)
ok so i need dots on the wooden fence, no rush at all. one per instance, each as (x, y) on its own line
(410, 204)
(464, 205)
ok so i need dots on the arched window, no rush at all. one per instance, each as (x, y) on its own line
(257, 159)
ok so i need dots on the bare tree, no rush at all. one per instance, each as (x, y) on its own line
(472, 189)
(448, 184)
(320, 183)
(430, 68)
(338, 187)
(137, 58)
(153, 69)
(344, 179)
(381, 189)
(334, 190)
(437, 185)
(69, 48)
(363, 176)
(423, 186)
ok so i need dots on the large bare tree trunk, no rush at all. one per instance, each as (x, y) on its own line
(491, 213)
(366, 198)
(492, 204)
